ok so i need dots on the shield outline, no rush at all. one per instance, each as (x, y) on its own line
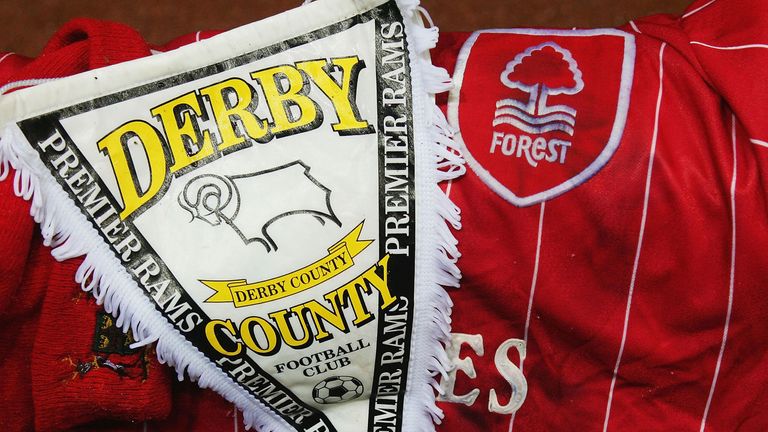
(620, 119)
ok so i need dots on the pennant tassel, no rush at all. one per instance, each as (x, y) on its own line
(439, 160)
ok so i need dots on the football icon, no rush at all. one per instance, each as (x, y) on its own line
(337, 389)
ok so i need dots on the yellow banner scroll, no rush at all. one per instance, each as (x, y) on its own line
(339, 259)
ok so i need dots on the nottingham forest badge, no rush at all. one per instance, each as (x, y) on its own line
(539, 116)
(263, 205)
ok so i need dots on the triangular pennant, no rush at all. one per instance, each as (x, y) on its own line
(264, 206)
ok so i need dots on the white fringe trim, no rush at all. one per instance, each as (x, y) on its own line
(68, 232)
(438, 159)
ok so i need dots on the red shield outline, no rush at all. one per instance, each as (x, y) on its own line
(564, 180)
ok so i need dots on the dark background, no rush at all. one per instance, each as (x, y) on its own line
(27, 24)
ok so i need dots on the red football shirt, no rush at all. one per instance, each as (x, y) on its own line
(621, 284)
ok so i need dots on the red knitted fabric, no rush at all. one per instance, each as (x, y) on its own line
(20, 315)
(81, 45)
(74, 379)
(51, 345)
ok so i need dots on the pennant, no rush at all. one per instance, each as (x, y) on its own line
(264, 206)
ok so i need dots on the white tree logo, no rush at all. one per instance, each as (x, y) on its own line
(541, 70)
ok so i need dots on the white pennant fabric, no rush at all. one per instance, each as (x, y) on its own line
(264, 206)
